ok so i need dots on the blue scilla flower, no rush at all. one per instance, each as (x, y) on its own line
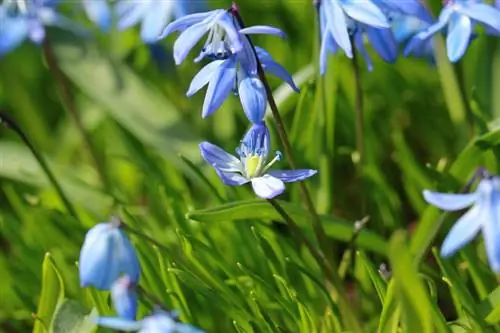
(238, 73)
(99, 12)
(252, 166)
(225, 36)
(459, 18)
(158, 322)
(107, 254)
(404, 27)
(153, 15)
(26, 19)
(339, 17)
(124, 297)
(484, 215)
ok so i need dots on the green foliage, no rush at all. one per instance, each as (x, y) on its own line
(226, 261)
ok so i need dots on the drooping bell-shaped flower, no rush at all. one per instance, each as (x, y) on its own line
(124, 297)
(107, 254)
(484, 215)
(26, 19)
(159, 322)
(458, 18)
(251, 165)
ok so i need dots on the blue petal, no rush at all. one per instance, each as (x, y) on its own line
(203, 77)
(124, 254)
(119, 323)
(336, 22)
(267, 186)
(491, 226)
(12, 31)
(219, 158)
(450, 202)
(273, 68)
(226, 21)
(327, 45)
(288, 176)
(464, 230)
(263, 29)
(257, 140)
(155, 20)
(188, 39)
(130, 13)
(383, 41)
(459, 33)
(366, 12)
(98, 11)
(184, 22)
(360, 46)
(413, 8)
(124, 298)
(231, 178)
(253, 97)
(220, 87)
(482, 13)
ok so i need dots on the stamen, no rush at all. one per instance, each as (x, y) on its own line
(277, 158)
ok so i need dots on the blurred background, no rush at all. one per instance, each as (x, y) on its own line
(144, 164)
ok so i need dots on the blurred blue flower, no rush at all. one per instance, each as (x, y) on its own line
(224, 34)
(251, 165)
(339, 19)
(159, 322)
(459, 18)
(404, 27)
(124, 297)
(153, 15)
(22, 19)
(107, 254)
(98, 12)
(484, 215)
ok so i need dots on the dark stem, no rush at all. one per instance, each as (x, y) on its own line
(9, 122)
(70, 106)
(360, 118)
(463, 93)
(306, 197)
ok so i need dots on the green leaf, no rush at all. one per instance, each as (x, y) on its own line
(72, 317)
(51, 296)
(126, 97)
(415, 301)
(335, 228)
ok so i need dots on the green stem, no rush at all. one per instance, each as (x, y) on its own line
(459, 71)
(359, 107)
(70, 106)
(306, 197)
(9, 122)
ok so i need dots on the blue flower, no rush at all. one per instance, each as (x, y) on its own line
(251, 165)
(99, 12)
(159, 322)
(225, 36)
(124, 297)
(20, 20)
(459, 18)
(338, 18)
(153, 15)
(107, 254)
(405, 27)
(483, 216)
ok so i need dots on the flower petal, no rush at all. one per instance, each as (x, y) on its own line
(491, 227)
(267, 186)
(184, 22)
(383, 41)
(253, 98)
(155, 20)
(231, 178)
(360, 46)
(263, 29)
(13, 30)
(482, 13)
(119, 323)
(336, 22)
(130, 12)
(99, 12)
(188, 39)
(464, 230)
(219, 158)
(203, 77)
(459, 33)
(365, 12)
(327, 45)
(219, 87)
(450, 202)
(272, 67)
(288, 176)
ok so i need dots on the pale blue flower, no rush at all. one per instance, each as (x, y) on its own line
(26, 19)
(484, 215)
(459, 18)
(99, 12)
(124, 297)
(251, 164)
(159, 322)
(107, 254)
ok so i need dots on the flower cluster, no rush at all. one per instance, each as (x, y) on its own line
(389, 23)
(234, 67)
(108, 262)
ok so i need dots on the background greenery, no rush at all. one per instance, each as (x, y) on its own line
(228, 263)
